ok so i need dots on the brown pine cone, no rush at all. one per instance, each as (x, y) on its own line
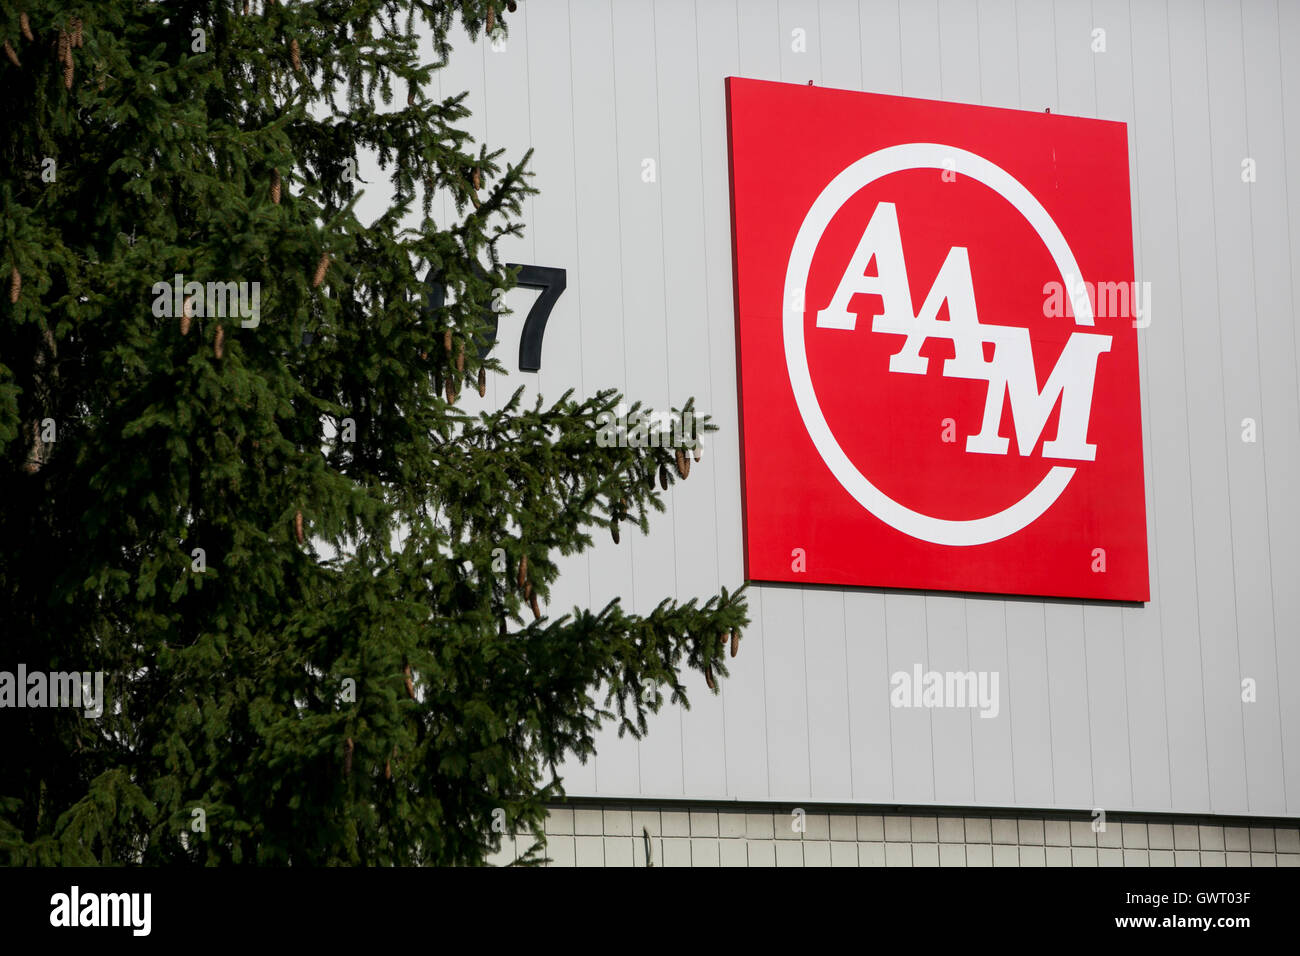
(446, 340)
(722, 639)
(491, 20)
(68, 72)
(708, 677)
(218, 346)
(348, 747)
(26, 26)
(735, 642)
(532, 603)
(452, 393)
(75, 25)
(13, 57)
(512, 6)
(482, 382)
(321, 268)
(410, 96)
(388, 770)
(683, 465)
(297, 526)
(275, 186)
(663, 477)
(460, 359)
(522, 576)
(478, 182)
(410, 683)
(294, 57)
(613, 530)
(15, 285)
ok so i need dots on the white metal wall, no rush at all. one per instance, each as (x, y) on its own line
(1126, 708)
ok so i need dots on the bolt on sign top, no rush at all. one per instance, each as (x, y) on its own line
(937, 388)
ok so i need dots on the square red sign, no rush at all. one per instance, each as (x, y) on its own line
(937, 334)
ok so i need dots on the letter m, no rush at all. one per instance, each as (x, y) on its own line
(222, 299)
(1071, 383)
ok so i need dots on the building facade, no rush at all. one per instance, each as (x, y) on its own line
(1156, 732)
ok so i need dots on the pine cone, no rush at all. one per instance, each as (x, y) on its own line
(297, 526)
(185, 318)
(452, 393)
(522, 577)
(663, 477)
(511, 6)
(446, 340)
(410, 683)
(65, 46)
(75, 24)
(722, 639)
(275, 186)
(613, 530)
(218, 347)
(482, 382)
(26, 26)
(491, 19)
(410, 95)
(708, 677)
(15, 285)
(388, 770)
(348, 747)
(13, 57)
(532, 603)
(477, 180)
(735, 642)
(460, 359)
(321, 268)
(68, 72)
(683, 464)
(293, 55)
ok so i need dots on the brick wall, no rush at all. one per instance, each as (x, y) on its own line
(614, 835)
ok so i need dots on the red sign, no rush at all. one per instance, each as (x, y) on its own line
(936, 325)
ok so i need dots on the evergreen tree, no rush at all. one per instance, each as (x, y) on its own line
(311, 580)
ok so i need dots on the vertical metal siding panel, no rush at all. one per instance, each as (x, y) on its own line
(600, 293)
(699, 744)
(1026, 704)
(918, 37)
(954, 769)
(1273, 116)
(838, 37)
(991, 754)
(882, 65)
(1194, 177)
(1029, 704)
(959, 51)
(1036, 54)
(1173, 582)
(1238, 321)
(829, 742)
(999, 52)
(870, 715)
(717, 54)
(1142, 651)
(804, 64)
(910, 727)
(1103, 651)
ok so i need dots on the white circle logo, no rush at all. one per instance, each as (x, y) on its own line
(862, 173)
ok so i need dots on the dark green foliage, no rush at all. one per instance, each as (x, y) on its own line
(226, 687)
